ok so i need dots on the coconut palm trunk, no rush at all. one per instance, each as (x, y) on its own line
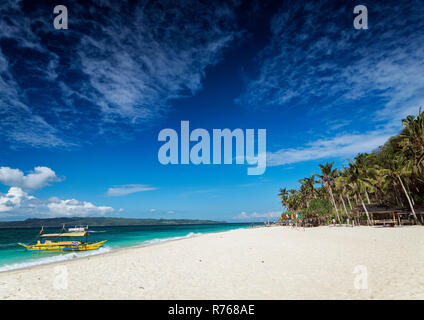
(409, 199)
(334, 202)
(348, 200)
(409, 192)
(365, 208)
(368, 197)
(344, 206)
(398, 196)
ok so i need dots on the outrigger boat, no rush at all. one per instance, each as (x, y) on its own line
(63, 245)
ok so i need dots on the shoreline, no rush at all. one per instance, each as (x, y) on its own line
(247, 263)
(112, 250)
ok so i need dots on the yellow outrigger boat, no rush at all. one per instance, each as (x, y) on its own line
(70, 245)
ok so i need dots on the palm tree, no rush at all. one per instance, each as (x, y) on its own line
(354, 178)
(341, 188)
(366, 171)
(308, 188)
(390, 176)
(402, 169)
(396, 167)
(326, 178)
(412, 141)
(284, 195)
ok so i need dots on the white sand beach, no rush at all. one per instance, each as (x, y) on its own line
(260, 263)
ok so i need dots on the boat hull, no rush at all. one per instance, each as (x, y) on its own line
(63, 246)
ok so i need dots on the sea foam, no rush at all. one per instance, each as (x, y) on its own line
(159, 240)
(52, 259)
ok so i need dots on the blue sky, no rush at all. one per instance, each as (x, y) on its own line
(81, 108)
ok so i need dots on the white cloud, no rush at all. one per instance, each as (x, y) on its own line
(161, 212)
(13, 199)
(128, 189)
(17, 203)
(338, 147)
(39, 178)
(74, 207)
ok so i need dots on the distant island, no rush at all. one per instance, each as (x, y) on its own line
(98, 222)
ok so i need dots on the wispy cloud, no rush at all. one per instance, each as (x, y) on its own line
(126, 189)
(161, 212)
(318, 62)
(255, 216)
(19, 121)
(117, 67)
(341, 146)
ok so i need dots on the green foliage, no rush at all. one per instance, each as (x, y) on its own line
(318, 207)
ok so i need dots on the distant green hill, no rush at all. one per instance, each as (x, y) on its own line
(98, 221)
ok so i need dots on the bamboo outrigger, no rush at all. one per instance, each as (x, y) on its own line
(63, 245)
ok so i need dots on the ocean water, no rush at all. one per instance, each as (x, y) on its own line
(13, 256)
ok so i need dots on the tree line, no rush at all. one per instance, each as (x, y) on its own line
(391, 176)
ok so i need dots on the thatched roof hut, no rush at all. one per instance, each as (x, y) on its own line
(380, 214)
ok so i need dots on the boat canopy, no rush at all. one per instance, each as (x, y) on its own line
(70, 234)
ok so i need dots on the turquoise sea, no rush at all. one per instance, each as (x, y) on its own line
(13, 256)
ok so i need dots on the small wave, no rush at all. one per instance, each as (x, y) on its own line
(58, 258)
(159, 240)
